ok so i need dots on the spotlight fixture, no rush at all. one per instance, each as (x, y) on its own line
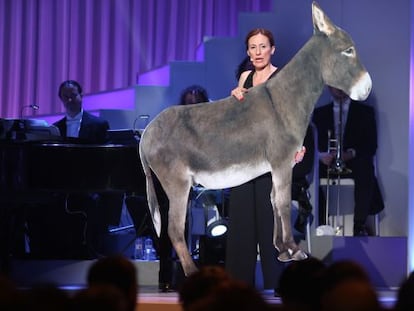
(216, 227)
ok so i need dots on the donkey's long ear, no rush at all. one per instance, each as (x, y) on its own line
(321, 22)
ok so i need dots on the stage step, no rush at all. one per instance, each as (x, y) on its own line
(384, 258)
(72, 273)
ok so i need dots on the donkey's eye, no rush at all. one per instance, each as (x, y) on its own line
(349, 51)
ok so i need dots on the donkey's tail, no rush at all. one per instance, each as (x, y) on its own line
(152, 200)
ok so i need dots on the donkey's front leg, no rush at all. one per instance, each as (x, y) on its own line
(281, 200)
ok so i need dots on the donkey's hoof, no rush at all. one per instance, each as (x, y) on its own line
(284, 256)
(299, 255)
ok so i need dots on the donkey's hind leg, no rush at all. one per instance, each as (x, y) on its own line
(176, 226)
(288, 250)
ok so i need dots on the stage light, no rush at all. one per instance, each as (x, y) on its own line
(208, 226)
(216, 227)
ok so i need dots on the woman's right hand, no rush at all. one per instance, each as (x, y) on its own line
(238, 92)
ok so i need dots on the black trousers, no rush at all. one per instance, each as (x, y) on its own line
(251, 225)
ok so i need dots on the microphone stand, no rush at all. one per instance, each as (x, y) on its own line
(33, 106)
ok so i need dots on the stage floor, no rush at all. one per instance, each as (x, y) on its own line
(150, 299)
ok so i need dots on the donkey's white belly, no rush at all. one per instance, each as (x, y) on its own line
(232, 176)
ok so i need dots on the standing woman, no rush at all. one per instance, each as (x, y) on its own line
(250, 212)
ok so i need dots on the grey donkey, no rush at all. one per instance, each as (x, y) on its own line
(229, 142)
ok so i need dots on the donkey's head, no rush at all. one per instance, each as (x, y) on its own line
(340, 65)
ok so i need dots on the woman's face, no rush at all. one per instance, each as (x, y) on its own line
(260, 51)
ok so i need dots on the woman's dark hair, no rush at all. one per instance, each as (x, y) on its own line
(70, 83)
(262, 31)
(245, 64)
(197, 91)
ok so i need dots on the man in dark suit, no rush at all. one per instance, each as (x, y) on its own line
(75, 224)
(359, 145)
(79, 123)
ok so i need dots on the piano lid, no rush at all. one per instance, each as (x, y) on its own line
(123, 136)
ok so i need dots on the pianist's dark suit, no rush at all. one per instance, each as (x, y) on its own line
(93, 129)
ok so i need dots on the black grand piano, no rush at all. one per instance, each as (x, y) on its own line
(32, 155)
(31, 162)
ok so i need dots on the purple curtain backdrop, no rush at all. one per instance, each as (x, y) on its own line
(101, 43)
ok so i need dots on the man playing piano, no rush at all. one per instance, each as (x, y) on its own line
(72, 225)
(79, 123)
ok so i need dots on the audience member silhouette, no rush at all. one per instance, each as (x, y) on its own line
(405, 295)
(118, 271)
(231, 295)
(103, 297)
(301, 284)
(200, 284)
(347, 286)
(344, 270)
(351, 294)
